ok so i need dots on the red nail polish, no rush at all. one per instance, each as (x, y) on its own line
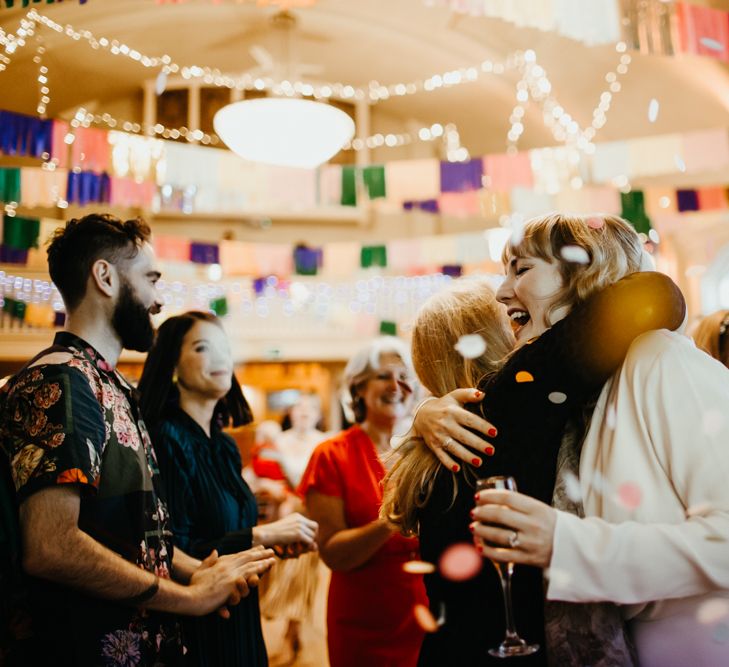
(476, 497)
(472, 513)
(479, 548)
(478, 394)
(492, 432)
(490, 451)
(456, 468)
(476, 462)
(472, 527)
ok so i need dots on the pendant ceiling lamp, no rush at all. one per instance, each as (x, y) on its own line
(283, 131)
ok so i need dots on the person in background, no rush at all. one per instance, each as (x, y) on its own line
(96, 545)
(710, 335)
(370, 609)
(188, 393)
(278, 465)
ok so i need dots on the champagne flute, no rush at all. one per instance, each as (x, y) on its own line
(513, 645)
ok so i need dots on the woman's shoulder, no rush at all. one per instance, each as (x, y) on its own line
(172, 436)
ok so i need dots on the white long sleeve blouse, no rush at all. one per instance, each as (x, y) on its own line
(654, 476)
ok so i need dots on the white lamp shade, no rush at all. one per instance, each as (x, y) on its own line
(283, 131)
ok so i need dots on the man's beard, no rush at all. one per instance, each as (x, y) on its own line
(131, 321)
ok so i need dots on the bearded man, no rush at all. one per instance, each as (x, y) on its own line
(95, 544)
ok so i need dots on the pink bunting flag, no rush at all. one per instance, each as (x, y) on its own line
(660, 201)
(703, 30)
(274, 258)
(705, 150)
(238, 258)
(341, 258)
(412, 180)
(504, 172)
(460, 204)
(330, 185)
(91, 149)
(712, 199)
(59, 147)
(42, 187)
(172, 248)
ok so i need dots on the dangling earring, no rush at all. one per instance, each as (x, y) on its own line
(174, 376)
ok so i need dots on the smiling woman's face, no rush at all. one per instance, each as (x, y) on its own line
(205, 366)
(532, 285)
(388, 391)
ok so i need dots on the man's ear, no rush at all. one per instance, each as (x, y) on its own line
(104, 277)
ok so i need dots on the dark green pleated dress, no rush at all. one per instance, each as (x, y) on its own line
(211, 507)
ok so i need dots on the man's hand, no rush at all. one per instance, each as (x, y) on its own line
(223, 581)
(443, 424)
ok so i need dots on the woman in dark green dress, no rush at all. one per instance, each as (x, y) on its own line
(188, 392)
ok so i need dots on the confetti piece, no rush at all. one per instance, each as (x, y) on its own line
(572, 487)
(517, 229)
(161, 83)
(629, 495)
(460, 562)
(557, 397)
(712, 44)
(680, 164)
(524, 376)
(471, 346)
(424, 618)
(441, 614)
(714, 537)
(700, 509)
(712, 611)
(721, 633)
(575, 254)
(418, 567)
(653, 108)
(595, 223)
(712, 422)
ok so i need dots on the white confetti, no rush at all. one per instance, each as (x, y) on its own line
(680, 164)
(470, 346)
(557, 397)
(575, 254)
(653, 107)
(160, 84)
(712, 44)
(712, 611)
(572, 487)
(712, 422)
(517, 223)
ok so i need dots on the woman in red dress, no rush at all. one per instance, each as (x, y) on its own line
(370, 611)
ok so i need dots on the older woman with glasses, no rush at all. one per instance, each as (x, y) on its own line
(370, 617)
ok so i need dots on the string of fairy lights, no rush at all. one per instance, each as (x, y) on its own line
(533, 85)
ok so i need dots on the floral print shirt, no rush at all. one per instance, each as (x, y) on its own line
(70, 418)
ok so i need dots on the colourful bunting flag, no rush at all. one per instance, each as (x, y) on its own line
(20, 233)
(373, 256)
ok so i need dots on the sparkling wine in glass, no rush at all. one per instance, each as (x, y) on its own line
(513, 645)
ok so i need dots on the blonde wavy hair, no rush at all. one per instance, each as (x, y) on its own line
(711, 335)
(612, 245)
(467, 306)
(614, 250)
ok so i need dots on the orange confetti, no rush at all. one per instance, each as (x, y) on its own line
(524, 376)
(424, 618)
(71, 476)
(418, 567)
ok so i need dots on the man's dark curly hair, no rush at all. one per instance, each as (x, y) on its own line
(73, 249)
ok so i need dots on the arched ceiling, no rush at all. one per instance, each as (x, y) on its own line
(355, 42)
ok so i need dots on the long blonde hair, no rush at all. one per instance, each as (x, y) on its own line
(711, 335)
(613, 248)
(467, 306)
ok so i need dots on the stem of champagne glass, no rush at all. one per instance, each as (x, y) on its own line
(506, 589)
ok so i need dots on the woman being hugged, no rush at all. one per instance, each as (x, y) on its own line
(188, 392)
(559, 365)
(370, 617)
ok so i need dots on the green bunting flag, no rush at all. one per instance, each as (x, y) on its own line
(10, 185)
(219, 306)
(374, 255)
(20, 233)
(388, 328)
(633, 210)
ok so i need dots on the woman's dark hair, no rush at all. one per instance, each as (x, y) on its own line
(73, 249)
(157, 388)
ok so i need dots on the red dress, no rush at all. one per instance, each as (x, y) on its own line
(370, 620)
